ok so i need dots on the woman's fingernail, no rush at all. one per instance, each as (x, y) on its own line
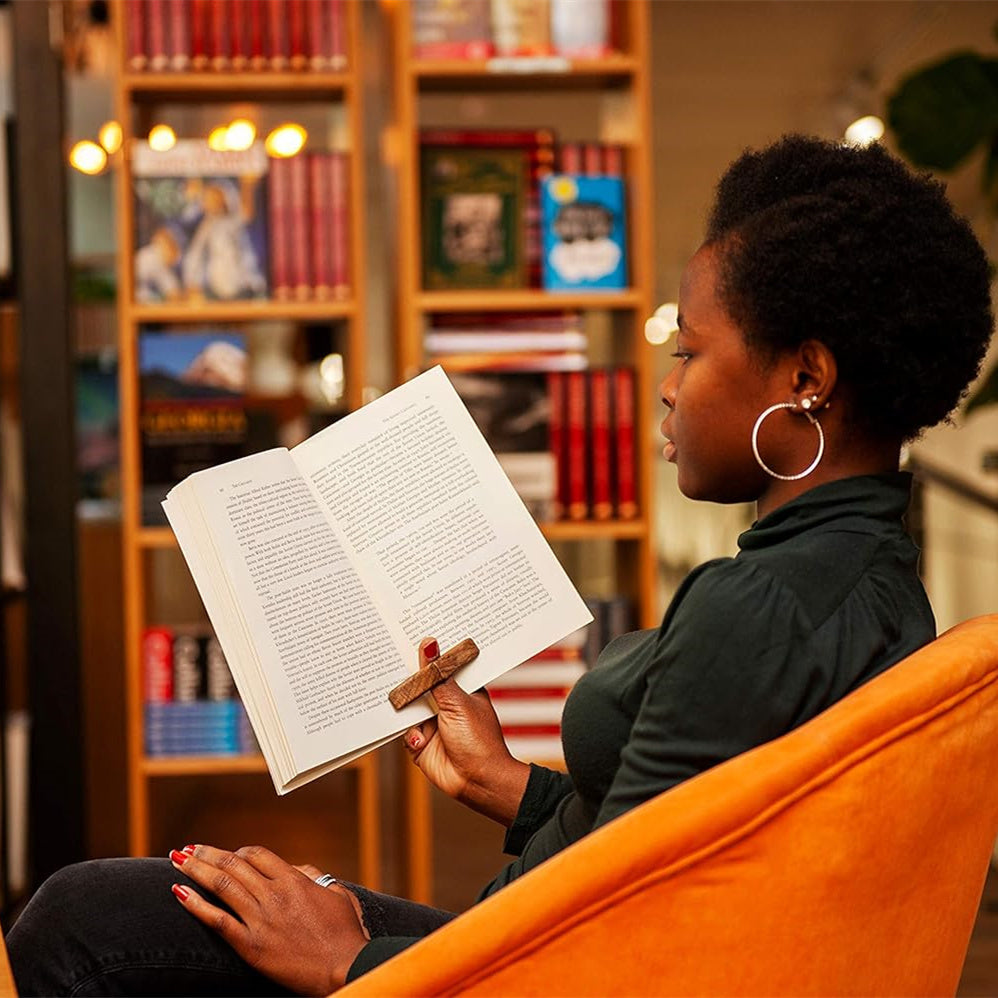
(190, 849)
(179, 857)
(414, 741)
(181, 892)
(432, 650)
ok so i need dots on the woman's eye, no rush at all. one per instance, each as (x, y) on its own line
(682, 355)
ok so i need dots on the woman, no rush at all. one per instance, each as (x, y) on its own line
(837, 307)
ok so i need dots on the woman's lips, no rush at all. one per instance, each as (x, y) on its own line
(669, 450)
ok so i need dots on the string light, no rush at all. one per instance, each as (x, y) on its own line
(162, 138)
(286, 140)
(218, 138)
(864, 131)
(88, 157)
(662, 324)
(110, 136)
(240, 134)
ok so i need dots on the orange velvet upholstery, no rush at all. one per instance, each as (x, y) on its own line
(846, 858)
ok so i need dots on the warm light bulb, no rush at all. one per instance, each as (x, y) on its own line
(110, 136)
(162, 137)
(240, 134)
(218, 138)
(662, 324)
(88, 157)
(286, 140)
(863, 131)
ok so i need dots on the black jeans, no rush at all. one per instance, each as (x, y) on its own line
(113, 927)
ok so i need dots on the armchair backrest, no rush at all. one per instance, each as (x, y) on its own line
(845, 858)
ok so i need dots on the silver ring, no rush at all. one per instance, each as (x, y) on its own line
(325, 880)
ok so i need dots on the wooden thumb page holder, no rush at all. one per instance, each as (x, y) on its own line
(433, 673)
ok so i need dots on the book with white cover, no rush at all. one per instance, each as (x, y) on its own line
(322, 567)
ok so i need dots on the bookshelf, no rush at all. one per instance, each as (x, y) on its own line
(596, 100)
(217, 790)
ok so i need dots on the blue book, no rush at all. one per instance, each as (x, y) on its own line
(583, 231)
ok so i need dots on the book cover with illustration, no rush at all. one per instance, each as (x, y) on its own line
(200, 223)
(584, 233)
(192, 407)
(474, 205)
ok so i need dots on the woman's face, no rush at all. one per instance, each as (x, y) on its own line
(715, 393)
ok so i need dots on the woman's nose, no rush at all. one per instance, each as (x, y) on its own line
(667, 389)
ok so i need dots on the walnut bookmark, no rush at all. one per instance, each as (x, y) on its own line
(433, 673)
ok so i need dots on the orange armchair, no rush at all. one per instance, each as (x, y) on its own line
(845, 858)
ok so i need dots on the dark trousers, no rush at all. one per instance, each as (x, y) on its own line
(113, 927)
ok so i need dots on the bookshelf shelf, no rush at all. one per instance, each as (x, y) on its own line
(586, 530)
(526, 299)
(149, 582)
(523, 73)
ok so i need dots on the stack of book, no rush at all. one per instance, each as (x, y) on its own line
(235, 35)
(191, 706)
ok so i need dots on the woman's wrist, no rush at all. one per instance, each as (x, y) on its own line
(498, 793)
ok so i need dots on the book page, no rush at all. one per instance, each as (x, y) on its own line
(437, 530)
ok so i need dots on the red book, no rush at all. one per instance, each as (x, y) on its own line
(157, 664)
(613, 161)
(339, 186)
(337, 34)
(277, 40)
(557, 441)
(317, 33)
(156, 21)
(570, 158)
(600, 433)
(279, 217)
(295, 12)
(486, 137)
(576, 450)
(528, 692)
(255, 34)
(218, 35)
(135, 34)
(238, 33)
(301, 276)
(592, 159)
(199, 34)
(623, 432)
(180, 35)
(321, 224)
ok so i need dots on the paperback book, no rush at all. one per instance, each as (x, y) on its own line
(321, 568)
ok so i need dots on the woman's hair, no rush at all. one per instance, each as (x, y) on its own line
(847, 246)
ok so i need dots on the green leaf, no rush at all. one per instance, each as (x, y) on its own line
(940, 114)
(986, 394)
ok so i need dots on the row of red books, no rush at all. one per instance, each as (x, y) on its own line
(592, 440)
(309, 214)
(183, 664)
(238, 35)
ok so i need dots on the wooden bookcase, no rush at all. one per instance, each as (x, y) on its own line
(234, 787)
(598, 100)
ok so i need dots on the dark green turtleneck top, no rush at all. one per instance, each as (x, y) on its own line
(823, 594)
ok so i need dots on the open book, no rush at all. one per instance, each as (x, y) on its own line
(322, 567)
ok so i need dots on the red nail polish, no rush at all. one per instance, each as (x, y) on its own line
(189, 849)
(179, 857)
(432, 650)
(414, 742)
(181, 892)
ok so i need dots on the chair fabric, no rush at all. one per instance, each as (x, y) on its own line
(846, 858)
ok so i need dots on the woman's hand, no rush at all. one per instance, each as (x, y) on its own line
(462, 751)
(286, 926)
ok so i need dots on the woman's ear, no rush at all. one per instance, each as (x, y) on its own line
(816, 372)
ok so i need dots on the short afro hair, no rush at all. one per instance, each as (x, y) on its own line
(847, 246)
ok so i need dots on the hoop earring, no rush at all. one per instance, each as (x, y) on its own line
(755, 441)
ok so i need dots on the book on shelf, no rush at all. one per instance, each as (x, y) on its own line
(505, 332)
(521, 27)
(200, 223)
(474, 202)
(235, 35)
(321, 568)
(451, 29)
(192, 407)
(580, 29)
(583, 231)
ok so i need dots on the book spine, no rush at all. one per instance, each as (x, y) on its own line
(218, 35)
(219, 684)
(320, 229)
(298, 58)
(180, 35)
(599, 407)
(570, 158)
(199, 34)
(238, 40)
(157, 664)
(277, 45)
(301, 280)
(278, 208)
(592, 159)
(557, 441)
(317, 33)
(623, 419)
(337, 34)
(340, 210)
(188, 667)
(613, 161)
(135, 34)
(576, 450)
(159, 53)
(255, 34)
